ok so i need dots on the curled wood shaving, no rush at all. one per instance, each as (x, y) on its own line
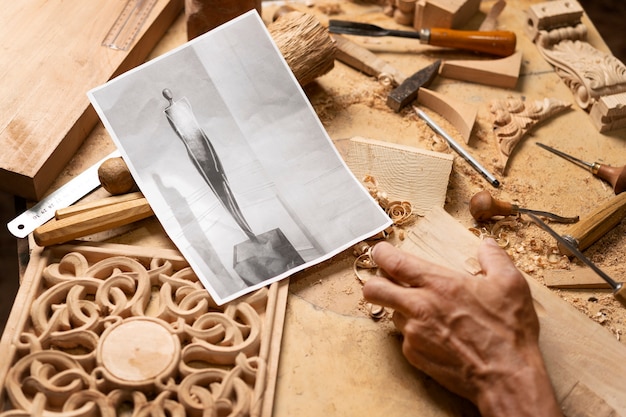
(438, 144)
(400, 212)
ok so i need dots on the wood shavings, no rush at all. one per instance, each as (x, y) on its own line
(401, 212)
(363, 253)
(376, 311)
(438, 144)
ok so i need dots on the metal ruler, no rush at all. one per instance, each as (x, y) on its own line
(128, 24)
(68, 194)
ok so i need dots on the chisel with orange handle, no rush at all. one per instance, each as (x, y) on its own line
(498, 42)
(619, 289)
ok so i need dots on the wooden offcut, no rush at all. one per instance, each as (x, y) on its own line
(403, 172)
(460, 114)
(51, 56)
(502, 72)
(444, 13)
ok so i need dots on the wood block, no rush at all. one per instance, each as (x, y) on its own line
(550, 15)
(609, 112)
(579, 278)
(52, 55)
(582, 358)
(132, 327)
(461, 115)
(405, 173)
(444, 13)
(502, 72)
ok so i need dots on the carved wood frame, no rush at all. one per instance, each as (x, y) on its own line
(99, 328)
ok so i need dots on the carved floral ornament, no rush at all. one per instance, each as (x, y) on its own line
(115, 334)
(514, 117)
(587, 72)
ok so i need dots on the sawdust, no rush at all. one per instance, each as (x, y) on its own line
(530, 248)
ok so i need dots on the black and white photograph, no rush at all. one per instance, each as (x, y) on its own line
(232, 158)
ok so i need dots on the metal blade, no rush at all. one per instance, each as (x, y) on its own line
(574, 250)
(68, 194)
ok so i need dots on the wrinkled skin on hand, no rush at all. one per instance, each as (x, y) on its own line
(476, 335)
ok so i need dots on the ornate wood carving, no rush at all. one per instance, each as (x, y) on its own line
(514, 117)
(561, 38)
(101, 329)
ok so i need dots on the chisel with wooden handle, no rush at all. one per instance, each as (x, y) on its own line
(92, 221)
(498, 42)
(619, 289)
(595, 225)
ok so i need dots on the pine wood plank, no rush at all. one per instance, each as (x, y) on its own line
(51, 56)
(404, 173)
(583, 359)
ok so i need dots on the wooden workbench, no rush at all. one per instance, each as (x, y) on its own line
(335, 360)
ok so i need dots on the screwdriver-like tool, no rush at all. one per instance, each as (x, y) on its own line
(497, 42)
(619, 290)
(483, 207)
(613, 175)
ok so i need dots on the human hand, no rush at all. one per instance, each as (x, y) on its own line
(475, 335)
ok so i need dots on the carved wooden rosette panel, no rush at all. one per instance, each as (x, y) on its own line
(589, 73)
(103, 331)
(514, 117)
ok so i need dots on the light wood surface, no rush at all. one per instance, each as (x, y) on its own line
(51, 56)
(586, 363)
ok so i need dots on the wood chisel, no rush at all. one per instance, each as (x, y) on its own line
(483, 207)
(499, 42)
(616, 176)
(454, 145)
(596, 224)
(619, 290)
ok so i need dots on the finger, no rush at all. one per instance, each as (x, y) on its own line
(399, 320)
(495, 262)
(399, 266)
(381, 291)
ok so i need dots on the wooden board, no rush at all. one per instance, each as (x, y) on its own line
(132, 327)
(404, 173)
(51, 56)
(584, 361)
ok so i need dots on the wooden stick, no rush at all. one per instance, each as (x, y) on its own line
(103, 202)
(365, 60)
(92, 221)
